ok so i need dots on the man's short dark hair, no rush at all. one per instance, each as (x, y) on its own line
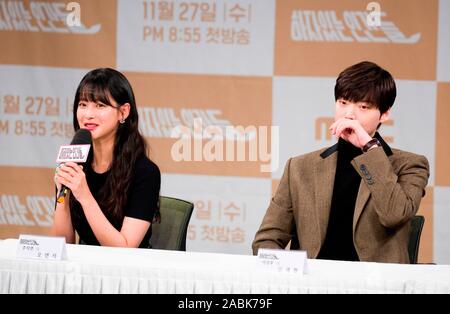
(367, 82)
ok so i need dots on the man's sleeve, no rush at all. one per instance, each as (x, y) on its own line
(396, 196)
(276, 228)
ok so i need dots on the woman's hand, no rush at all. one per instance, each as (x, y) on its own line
(71, 175)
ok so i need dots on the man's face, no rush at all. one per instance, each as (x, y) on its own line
(368, 115)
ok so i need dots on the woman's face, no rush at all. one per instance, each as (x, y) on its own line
(101, 119)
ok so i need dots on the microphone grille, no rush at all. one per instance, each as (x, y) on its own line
(82, 136)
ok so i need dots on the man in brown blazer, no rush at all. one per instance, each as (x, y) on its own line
(352, 201)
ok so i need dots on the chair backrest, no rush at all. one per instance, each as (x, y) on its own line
(414, 238)
(171, 233)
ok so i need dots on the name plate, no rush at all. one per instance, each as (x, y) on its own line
(41, 247)
(75, 153)
(293, 262)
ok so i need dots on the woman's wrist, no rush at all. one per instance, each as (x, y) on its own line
(87, 200)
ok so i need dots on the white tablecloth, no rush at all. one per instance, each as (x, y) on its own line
(117, 270)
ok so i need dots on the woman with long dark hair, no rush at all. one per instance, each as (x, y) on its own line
(115, 197)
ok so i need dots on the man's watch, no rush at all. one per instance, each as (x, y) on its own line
(370, 143)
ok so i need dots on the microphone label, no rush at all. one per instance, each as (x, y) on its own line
(75, 153)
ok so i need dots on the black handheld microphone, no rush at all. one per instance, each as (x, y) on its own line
(77, 151)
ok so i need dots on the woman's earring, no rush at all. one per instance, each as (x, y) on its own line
(122, 121)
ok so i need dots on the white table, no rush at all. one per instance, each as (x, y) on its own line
(92, 269)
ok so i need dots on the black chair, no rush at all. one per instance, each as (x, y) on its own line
(414, 238)
(171, 233)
